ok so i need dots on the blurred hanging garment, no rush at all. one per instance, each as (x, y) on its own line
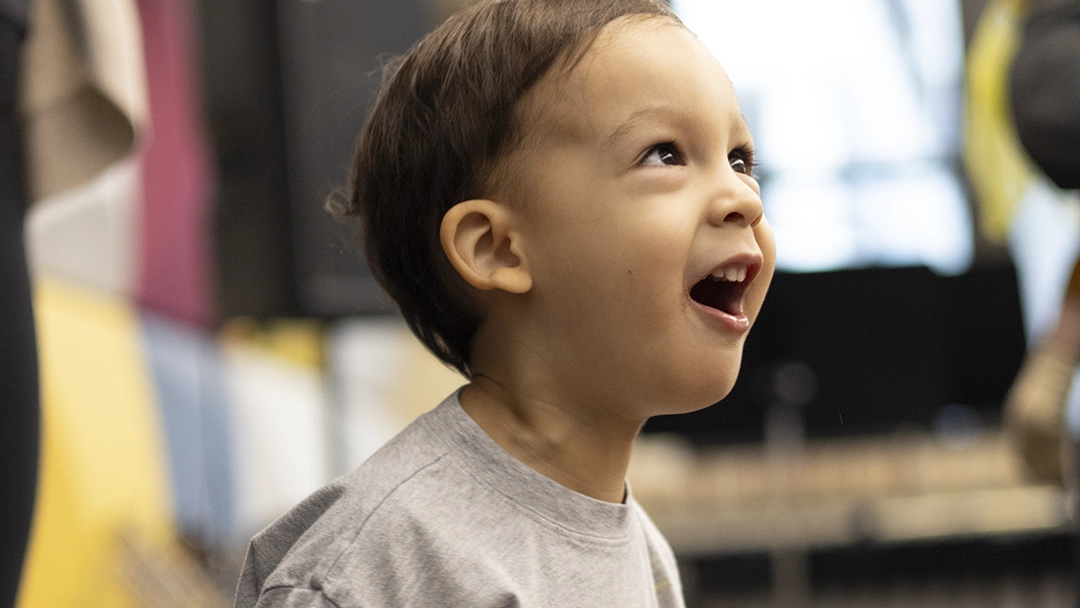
(84, 111)
(103, 464)
(175, 277)
(188, 374)
(83, 99)
(278, 408)
(82, 108)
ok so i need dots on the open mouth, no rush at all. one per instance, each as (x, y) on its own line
(724, 288)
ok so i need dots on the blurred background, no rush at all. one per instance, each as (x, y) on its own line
(213, 348)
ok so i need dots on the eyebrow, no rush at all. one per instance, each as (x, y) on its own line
(640, 117)
(664, 113)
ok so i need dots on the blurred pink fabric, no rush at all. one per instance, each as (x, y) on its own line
(176, 276)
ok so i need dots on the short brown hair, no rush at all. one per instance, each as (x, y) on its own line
(444, 117)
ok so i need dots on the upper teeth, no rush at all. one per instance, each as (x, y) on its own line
(735, 274)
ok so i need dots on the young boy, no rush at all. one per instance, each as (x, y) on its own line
(558, 194)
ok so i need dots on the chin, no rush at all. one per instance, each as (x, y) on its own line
(711, 388)
(674, 409)
(699, 396)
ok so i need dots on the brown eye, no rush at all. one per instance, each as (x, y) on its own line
(662, 154)
(742, 161)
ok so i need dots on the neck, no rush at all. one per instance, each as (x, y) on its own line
(580, 449)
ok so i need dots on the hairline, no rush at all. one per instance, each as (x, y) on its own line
(501, 176)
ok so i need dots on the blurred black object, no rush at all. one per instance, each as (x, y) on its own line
(877, 350)
(1045, 91)
(253, 241)
(19, 405)
(287, 95)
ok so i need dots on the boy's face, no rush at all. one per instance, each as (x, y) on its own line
(634, 191)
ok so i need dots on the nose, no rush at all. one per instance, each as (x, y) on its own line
(734, 201)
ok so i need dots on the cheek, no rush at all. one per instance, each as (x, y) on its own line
(642, 251)
(653, 266)
(764, 236)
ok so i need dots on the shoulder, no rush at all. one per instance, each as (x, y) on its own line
(432, 542)
(420, 543)
(301, 548)
(406, 523)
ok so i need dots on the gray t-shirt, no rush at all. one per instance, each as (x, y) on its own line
(443, 516)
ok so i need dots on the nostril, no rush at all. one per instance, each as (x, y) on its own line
(734, 216)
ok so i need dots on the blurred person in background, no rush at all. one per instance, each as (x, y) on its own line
(19, 412)
(1044, 91)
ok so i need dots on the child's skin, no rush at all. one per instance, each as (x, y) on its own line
(632, 184)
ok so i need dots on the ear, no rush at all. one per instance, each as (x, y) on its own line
(477, 237)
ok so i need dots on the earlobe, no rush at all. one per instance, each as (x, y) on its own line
(477, 237)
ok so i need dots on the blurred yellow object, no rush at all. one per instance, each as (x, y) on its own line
(298, 341)
(997, 165)
(103, 470)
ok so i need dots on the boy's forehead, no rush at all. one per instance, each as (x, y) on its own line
(621, 81)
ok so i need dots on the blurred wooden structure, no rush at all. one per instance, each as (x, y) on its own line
(905, 490)
(841, 492)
